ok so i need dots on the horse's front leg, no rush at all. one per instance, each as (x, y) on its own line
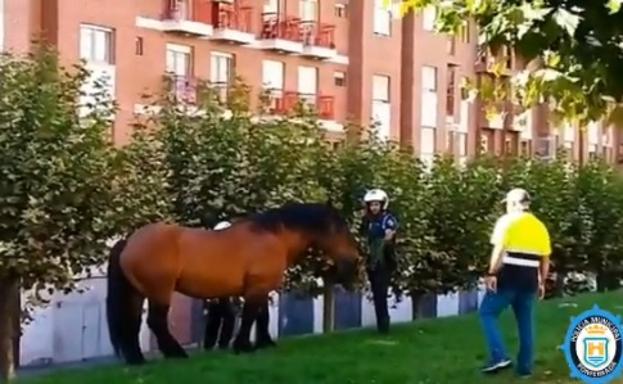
(263, 321)
(250, 311)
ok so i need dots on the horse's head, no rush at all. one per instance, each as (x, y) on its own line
(339, 244)
(317, 225)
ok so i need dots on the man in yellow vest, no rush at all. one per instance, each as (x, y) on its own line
(517, 272)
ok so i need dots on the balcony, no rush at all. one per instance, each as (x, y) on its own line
(183, 89)
(318, 40)
(281, 35)
(283, 103)
(232, 23)
(188, 17)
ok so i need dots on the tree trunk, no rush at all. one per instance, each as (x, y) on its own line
(9, 296)
(328, 313)
(416, 307)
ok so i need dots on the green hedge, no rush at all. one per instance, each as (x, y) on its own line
(225, 166)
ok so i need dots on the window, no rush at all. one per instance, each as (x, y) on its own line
(525, 148)
(96, 44)
(428, 142)
(429, 97)
(462, 142)
(308, 10)
(592, 151)
(339, 78)
(382, 19)
(221, 68)
(221, 73)
(380, 88)
(272, 74)
(138, 46)
(271, 6)
(464, 32)
(451, 90)
(484, 143)
(381, 108)
(179, 60)
(308, 84)
(429, 14)
(340, 10)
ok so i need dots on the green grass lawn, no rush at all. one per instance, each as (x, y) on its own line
(432, 351)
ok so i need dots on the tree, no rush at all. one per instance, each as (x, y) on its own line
(574, 49)
(56, 170)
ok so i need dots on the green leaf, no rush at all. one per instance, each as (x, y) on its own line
(567, 20)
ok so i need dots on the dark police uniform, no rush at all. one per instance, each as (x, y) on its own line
(380, 263)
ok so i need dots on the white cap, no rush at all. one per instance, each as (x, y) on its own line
(377, 195)
(517, 195)
(222, 225)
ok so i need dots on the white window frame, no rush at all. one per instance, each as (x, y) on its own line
(174, 53)
(269, 83)
(308, 10)
(382, 19)
(217, 60)
(429, 16)
(270, 6)
(96, 44)
(428, 147)
(429, 112)
(384, 94)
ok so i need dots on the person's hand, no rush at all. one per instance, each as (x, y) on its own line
(389, 234)
(541, 291)
(491, 282)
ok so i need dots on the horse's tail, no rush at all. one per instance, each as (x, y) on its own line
(123, 306)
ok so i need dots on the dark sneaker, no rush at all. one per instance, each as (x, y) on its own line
(498, 366)
(524, 375)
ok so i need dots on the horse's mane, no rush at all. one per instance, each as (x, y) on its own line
(316, 218)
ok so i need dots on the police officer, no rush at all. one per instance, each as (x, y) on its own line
(517, 273)
(221, 315)
(379, 226)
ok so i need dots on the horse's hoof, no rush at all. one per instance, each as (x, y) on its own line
(268, 343)
(243, 348)
(135, 361)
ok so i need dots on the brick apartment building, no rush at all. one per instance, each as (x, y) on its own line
(353, 60)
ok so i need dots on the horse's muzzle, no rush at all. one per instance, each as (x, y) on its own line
(346, 272)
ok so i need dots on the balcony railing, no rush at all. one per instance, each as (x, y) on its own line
(188, 17)
(325, 107)
(273, 27)
(321, 35)
(233, 16)
(184, 88)
(186, 10)
(283, 103)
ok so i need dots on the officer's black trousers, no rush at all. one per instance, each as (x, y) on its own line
(379, 280)
(221, 316)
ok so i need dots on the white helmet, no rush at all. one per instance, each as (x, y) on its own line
(517, 199)
(222, 225)
(377, 195)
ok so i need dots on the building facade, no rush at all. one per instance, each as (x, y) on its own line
(353, 61)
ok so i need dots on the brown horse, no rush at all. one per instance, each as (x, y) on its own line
(248, 259)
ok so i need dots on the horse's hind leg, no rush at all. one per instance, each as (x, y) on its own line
(158, 322)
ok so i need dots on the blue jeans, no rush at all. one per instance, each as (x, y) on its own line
(523, 306)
